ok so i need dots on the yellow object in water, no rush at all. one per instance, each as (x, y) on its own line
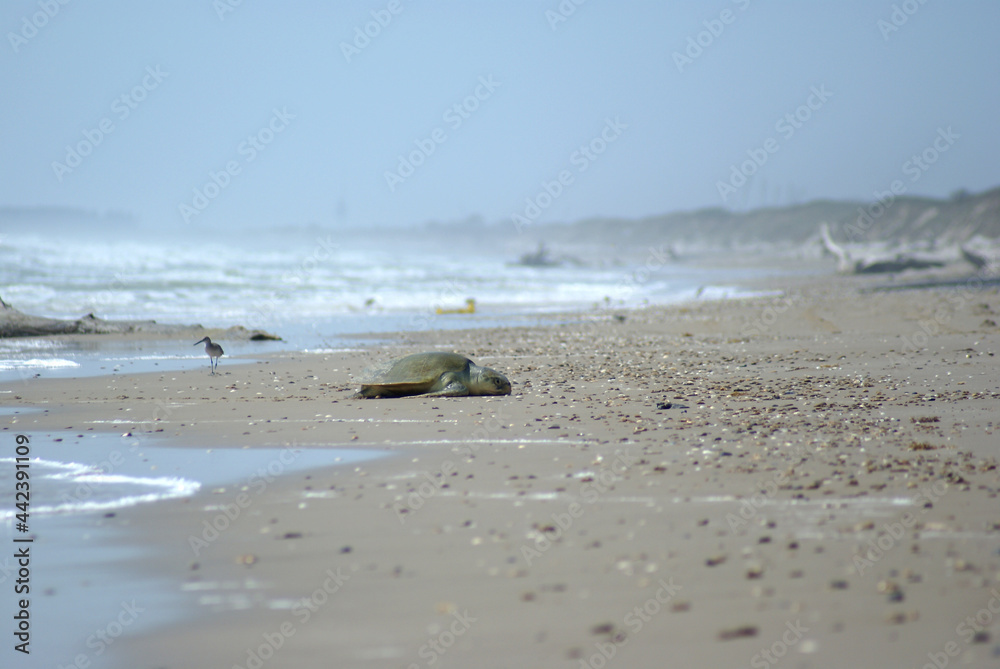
(469, 308)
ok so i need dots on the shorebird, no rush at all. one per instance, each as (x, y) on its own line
(214, 352)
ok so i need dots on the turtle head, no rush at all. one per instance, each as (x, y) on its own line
(491, 382)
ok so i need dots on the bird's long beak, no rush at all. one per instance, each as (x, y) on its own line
(199, 342)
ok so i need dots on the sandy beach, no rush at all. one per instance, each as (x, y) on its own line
(802, 480)
(738, 263)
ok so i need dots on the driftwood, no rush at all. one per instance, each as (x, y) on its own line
(899, 263)
(977, 260)
(14, 323)
(844, 263)
(874, 264)
(542, 258)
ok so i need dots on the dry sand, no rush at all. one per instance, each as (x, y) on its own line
(806, 481)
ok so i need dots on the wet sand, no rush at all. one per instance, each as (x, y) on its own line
(807, 480)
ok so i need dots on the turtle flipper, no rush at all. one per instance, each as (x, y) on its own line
(454, 389)
(451, 386)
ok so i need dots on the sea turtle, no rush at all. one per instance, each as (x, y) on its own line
(433, 374)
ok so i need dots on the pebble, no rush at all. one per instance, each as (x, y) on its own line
(744, 632)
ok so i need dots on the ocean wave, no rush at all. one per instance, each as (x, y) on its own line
(70, 487)
(9, 364)
(301, 280)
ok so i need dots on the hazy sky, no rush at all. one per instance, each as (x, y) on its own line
(289, 113)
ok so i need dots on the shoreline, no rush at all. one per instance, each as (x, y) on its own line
(532, 527)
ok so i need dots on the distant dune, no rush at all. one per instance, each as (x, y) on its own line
(900, 220)
(891, 220)
(56, 218)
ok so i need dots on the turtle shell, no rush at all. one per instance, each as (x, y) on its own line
(413, 374)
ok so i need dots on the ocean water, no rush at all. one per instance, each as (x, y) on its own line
(90, 473)
(58, 486)
(305, 276)
(85, 588)
(309, 286)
